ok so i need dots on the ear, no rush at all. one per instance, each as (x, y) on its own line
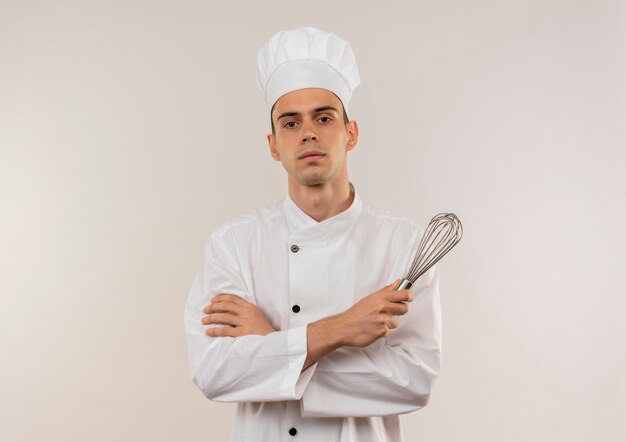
(353, 134)
(271, 141)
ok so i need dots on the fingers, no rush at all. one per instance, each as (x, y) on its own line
(400, 296)
(397, 308)
(221, 318)
(223, 297)
(237, 316)
(223, 307)
(392, 323)
(396, 302)
(220, 332)
(226, 303)
(393, 284)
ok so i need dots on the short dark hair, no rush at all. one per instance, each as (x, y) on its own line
(346, 120)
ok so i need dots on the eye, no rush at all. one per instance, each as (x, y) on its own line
(325, 119)
(290, 124)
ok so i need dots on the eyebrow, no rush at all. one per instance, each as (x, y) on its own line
(316, 110)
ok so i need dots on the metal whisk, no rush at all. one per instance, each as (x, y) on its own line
(443, 232)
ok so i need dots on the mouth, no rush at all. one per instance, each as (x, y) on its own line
(312, 155)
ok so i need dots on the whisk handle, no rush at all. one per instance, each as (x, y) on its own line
(403, 284)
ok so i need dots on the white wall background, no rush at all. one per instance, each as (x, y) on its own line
(130, 129)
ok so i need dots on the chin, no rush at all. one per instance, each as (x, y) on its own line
(313, 180)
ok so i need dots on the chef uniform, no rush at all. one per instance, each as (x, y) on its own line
(297, 270)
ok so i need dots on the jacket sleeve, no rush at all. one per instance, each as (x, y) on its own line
(391, 376)
(245, 369)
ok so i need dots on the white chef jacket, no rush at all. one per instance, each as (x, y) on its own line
(297, 270)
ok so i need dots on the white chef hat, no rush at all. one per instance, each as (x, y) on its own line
(306, 58)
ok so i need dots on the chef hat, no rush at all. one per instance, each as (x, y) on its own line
(306, 58)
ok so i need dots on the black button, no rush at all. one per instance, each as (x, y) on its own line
(295, 308)
(293, 431)
(295, 248)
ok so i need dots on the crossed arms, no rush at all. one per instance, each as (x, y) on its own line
(378, 357)
(370, 319)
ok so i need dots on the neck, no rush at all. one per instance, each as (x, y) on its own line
(322, 201)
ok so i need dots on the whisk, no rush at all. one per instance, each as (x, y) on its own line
(443, 232)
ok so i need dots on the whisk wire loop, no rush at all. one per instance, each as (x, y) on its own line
(443, 232)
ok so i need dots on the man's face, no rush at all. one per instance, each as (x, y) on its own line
(311, 138)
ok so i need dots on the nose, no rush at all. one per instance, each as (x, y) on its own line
(308, 134)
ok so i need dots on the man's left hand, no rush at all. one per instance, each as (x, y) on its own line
(239, 317)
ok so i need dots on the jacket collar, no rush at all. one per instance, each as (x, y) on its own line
(300, 222)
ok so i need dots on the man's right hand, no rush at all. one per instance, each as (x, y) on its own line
(374, 316)
(370, 319)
